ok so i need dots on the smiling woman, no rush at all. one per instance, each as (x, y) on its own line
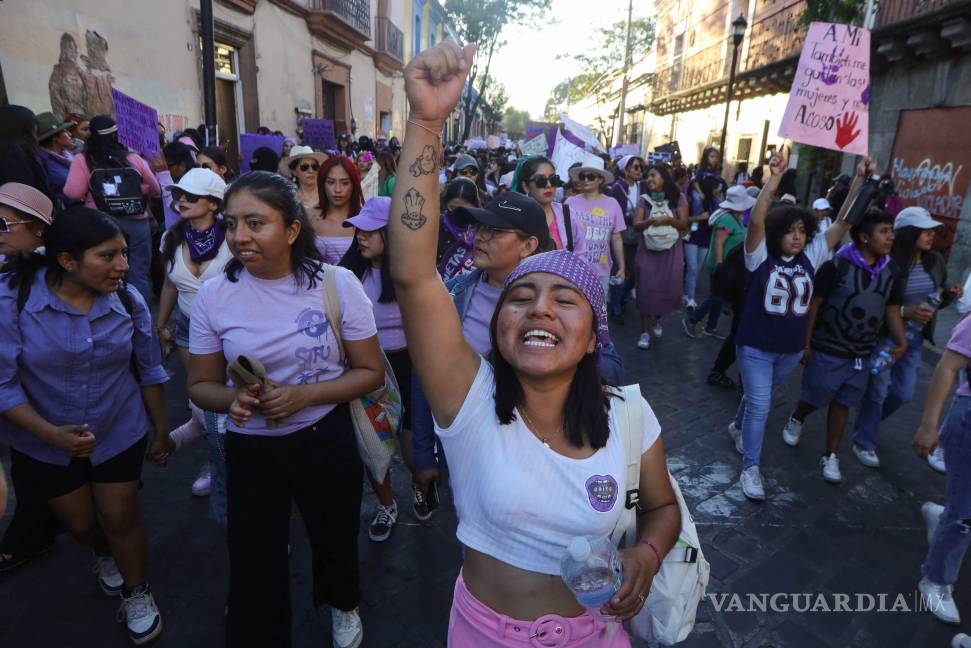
(531, 435)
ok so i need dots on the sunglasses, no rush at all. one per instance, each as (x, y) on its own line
(541, 181)
(5, 224)
(313, 166)
(588, 177)
(469, 172)
(178, 194)
(203, 165)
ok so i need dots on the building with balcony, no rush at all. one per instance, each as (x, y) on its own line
(276, 60)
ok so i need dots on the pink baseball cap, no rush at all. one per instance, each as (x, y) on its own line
(28, 200)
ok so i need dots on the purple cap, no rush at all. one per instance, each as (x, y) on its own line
(568, 265)
(373, 215)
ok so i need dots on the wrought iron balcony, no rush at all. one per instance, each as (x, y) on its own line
(346, 20)
(389, 40)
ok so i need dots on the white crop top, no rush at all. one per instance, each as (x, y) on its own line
(187, 283)
(517, 500)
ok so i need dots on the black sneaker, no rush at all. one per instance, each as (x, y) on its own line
(718, 379)
(713, 333)
(383, 522)
(690, 328)
(419, 503)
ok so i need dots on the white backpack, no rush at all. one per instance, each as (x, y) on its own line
(668, 615)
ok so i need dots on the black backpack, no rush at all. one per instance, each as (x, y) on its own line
(117, 190)
(729, 279)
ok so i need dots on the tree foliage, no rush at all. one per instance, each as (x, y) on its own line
(841, 11)
(494, 104)
(482, 22)
(515, 122)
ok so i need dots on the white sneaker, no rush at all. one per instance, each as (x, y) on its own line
(109, 578)
(791, 432)
(690, 305)
(939, 601)
(868, 458)
(751, 481)
(384, 520)
(736, 435)
(644, 342)
(831, 468)
(347, 629)
(657, 331)
(202, 484)
(932, 515)
(936, 460)
(141, 615)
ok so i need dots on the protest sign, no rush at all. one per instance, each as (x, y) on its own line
(249, 142)
(137, 125)
(318, 134)
(830, 96)
(566, 153)
(625, 149)
(535, 146)
(655, 157)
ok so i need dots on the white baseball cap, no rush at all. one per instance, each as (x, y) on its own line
(200, 182)
(821, 204)
(915, 217)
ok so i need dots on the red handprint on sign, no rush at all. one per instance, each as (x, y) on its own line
(844, 129)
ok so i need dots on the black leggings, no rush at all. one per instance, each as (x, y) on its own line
(726, 355)
(317, 468)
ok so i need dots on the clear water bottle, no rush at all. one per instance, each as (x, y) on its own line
(593, 571)
(961, 641)
(933, 302)
(882, 360)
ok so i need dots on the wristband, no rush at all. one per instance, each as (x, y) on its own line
(656, 553)
(422, 126)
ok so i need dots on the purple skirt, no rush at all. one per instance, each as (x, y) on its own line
(659, 279)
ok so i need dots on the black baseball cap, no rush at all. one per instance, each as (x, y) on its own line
(511, 210)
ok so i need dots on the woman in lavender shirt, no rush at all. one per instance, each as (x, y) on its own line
(80, 390)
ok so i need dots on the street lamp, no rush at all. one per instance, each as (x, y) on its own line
(738, 33)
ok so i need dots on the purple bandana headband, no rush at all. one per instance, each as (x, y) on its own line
(568, 265)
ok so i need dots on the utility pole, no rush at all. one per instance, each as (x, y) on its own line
(623, 90)
(209, 73)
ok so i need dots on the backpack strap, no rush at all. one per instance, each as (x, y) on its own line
(332, 307)
(630, 426)
(568, 225)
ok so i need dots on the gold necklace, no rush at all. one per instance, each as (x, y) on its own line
(530, 425)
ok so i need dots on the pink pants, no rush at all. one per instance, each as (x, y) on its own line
(474, 625)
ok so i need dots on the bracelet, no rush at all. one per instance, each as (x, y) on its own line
(426, 128)
(656, 553)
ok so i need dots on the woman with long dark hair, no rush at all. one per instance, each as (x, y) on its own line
(341, 196)
(627, 191)
(454, 256)
(661, 217)
(530, 431)
(80, 391)
(387, 171)
(293, 440)
(18, 149)
(214, 159)
(700, 207)
(782, 252)
(536, 177)
(370, 262)
(923, 272)
(104, 151)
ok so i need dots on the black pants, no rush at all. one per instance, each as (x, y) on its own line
(401, 365)
(319, 469)
(726, 356)
(34, 523)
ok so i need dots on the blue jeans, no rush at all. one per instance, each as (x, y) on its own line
(139, 236)
(887, 391)
(423, 439)
(617, 296)
(694, 256)
(712, 307)
(953, 534)
(761, 372)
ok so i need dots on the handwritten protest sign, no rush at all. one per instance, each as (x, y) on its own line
(565, 153)
(625, 149)
(318, 133)
(249, 142)
(534, 146)
(137, 125)
(830, 97)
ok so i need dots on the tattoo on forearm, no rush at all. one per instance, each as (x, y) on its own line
(413, 218)
(425, 163)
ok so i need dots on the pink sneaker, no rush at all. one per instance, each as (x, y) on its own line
(200, 487)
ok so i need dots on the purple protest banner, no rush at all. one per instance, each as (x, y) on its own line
(318, 133)
(249, 142)
(137, 125)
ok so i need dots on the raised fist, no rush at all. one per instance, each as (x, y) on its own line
(434, 80)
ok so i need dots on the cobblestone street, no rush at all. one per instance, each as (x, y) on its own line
(864, 536)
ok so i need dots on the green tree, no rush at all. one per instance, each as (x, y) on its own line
(515, 122)
(494, 104)
(482, 22)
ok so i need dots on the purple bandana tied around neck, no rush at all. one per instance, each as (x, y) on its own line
(204, 245)
(854, 256)
(568, 265)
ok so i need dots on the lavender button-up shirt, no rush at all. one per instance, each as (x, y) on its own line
(75, 368)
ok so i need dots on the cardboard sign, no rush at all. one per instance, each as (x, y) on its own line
(534, 146)
(565, 154)
(137, 125)
(318, 134)
(249, 142)
(625, 149)
(829, 101)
